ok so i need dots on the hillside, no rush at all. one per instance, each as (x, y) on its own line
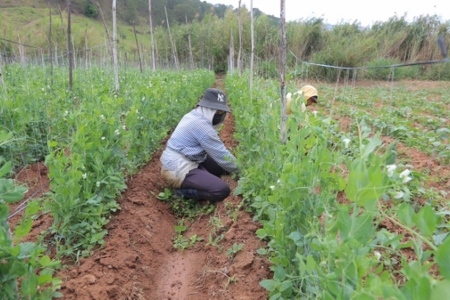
(130, 11)
(28, 22)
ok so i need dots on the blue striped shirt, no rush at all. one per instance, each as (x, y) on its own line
(195, 138)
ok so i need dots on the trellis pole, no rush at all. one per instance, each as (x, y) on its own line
(151, 34)
(239, 63)
(231, 57)
(283, 71)
(174, 48)
(69, 44)
(137, 46)
(252, 52)
(109, 46)
(191, 55)
(1, 76)
(50, 47)
(116, 67)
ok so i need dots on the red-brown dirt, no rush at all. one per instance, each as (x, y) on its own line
(138, 259)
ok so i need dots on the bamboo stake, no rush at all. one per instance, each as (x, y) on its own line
(174, 48)
(252, 52)
(282, 71)
(85, 48)
(106, 29)
(116, 67)
(137, 46)
(50, 44)
(239, 62)
(191, 56)
(69, 44)
(151, 35)
(21, 52)
(231, 55)
(1, 76)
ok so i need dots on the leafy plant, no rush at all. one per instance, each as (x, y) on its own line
(231, 252)
(25, 271)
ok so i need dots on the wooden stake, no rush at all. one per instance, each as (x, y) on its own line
(137, 47)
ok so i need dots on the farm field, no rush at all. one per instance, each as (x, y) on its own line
(293, 226)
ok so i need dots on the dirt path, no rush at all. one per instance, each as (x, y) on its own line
(139, 261)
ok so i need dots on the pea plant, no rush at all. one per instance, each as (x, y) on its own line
(26, 272)
(323, 206)
(91, 139)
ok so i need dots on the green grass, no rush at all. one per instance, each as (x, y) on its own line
(31, 26)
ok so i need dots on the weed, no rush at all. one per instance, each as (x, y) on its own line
(231, 252)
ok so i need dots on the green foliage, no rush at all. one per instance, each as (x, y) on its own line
(92, 139)
(25, 271)
(322, 229)
(209, 30)
(90, 11)
(235, 249)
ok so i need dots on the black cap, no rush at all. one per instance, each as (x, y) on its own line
(214, 99)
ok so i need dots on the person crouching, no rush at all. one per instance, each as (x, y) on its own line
(195, 158)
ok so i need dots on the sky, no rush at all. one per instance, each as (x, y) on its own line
(365, 12)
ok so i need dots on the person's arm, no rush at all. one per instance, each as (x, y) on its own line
(215, 148)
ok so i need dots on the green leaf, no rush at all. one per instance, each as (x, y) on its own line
(442, 258)
(43, 279)
(391, 154)
(32, 208)
(269, 284)
(15, 195)
(24, 228)
(426, 221)
(18, 269)
(406, 214)
(367, 149)
(280, 273)
(5, 169)
(441, 290)
(286, 288)
(28, 286)
(360, 227)
(45, 261)
(25, 249)
(4, 213)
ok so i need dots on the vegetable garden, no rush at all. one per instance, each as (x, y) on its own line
(352, 205)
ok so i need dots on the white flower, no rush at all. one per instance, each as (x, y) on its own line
(137, 111)
(272, 187)
(399, 195)
(346, 142)
(117, 131)
(406, 179)
(377, 255)
(404, 173)
(289, 96)
(391, 169)
(142, 118)
(278, 181)
(315, 113)
(66, 113)
(124, 127)
(143, 99)
(43, 89)
(84, 176)
(98, 183)
(102, 117)
(103, 138)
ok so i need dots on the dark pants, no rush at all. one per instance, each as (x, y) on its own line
(206, 181)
